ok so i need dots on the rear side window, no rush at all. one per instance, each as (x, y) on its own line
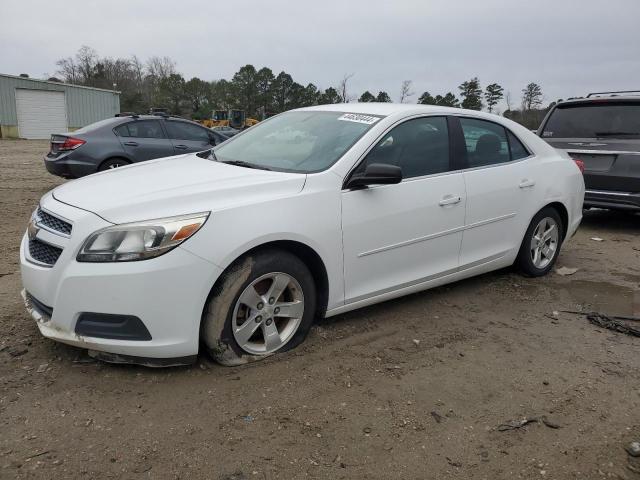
(486, 142)
(186, 131)
(141, 129)
(419, 147)
(594, 120)
(518, 150)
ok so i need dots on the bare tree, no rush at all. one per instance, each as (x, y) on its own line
(86, 61)
(507, 100)
(405, 90)
(342, 88)
(68, 70)
(160, 67)
(138, 69)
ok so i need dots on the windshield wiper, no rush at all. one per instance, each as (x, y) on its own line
(615, 134)
(242, 163)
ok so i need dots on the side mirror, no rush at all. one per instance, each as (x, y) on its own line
(376, 174)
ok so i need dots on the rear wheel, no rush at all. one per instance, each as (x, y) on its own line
(263, 304)
(113, 163)
(541, 244)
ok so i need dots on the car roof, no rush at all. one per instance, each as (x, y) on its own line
(404, 110)
(601, 99)
(156, 117)
(379, 108)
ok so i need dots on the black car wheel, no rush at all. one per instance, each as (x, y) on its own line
(112, 163)
(263, 304)
(541, 244)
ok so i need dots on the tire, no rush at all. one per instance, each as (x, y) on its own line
(548, 246)
(113, 163)
(226, 312)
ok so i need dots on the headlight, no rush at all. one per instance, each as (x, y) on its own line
(140, 240)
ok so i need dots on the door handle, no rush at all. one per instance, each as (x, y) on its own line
(449, 200)
(131, 144)
(526, 183)
(181, 147)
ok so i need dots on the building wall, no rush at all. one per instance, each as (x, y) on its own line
(84, 105)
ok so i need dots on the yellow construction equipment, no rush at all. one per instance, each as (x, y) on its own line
(229, 118)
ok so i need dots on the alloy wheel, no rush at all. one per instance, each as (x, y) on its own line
(268, 313)
(544, 243)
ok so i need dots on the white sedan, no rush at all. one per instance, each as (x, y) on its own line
(311, 213)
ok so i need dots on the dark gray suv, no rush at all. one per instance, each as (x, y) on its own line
(602, 130)
(119, 141)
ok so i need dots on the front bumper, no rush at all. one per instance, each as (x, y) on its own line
(167, 294)
(612, 200)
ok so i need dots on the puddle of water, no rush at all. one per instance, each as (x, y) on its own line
(605, 297)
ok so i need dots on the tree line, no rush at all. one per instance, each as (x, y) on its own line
(261, 92)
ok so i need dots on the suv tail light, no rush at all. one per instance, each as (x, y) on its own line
(580, 164)
(60, 143)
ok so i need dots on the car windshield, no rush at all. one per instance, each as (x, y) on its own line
(303, 142)
(595, 120)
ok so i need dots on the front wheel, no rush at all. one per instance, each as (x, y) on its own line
(263, 304)
(541, 244)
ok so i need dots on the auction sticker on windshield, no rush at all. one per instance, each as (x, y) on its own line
(358, 118)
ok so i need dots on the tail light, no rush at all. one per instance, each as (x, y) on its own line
(60, 143)
(71, 143)
(580, 164)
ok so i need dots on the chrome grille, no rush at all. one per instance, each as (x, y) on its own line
(43, 252)
(52, 223)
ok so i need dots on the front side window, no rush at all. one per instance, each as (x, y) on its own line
(301, 141)
(486, 142)
(141, 129)
(419, 147)
(186, 131)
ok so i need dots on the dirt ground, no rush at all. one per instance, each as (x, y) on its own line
(413, 388)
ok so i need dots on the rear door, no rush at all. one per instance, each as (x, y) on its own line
(144, 140)
(187, 137)
(501, 179)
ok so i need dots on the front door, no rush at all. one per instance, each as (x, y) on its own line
(188, 137)
(399, 235)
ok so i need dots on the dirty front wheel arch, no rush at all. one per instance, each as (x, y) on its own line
(216, 324)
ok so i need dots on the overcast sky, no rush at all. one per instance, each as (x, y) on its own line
(568, 47)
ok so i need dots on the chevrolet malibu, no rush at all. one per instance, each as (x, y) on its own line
(311, 213)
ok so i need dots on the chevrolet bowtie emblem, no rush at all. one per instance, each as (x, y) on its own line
(33, 229)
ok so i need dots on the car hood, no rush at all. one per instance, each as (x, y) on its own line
(174, 186)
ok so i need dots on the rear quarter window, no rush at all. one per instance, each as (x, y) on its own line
(518, 150)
